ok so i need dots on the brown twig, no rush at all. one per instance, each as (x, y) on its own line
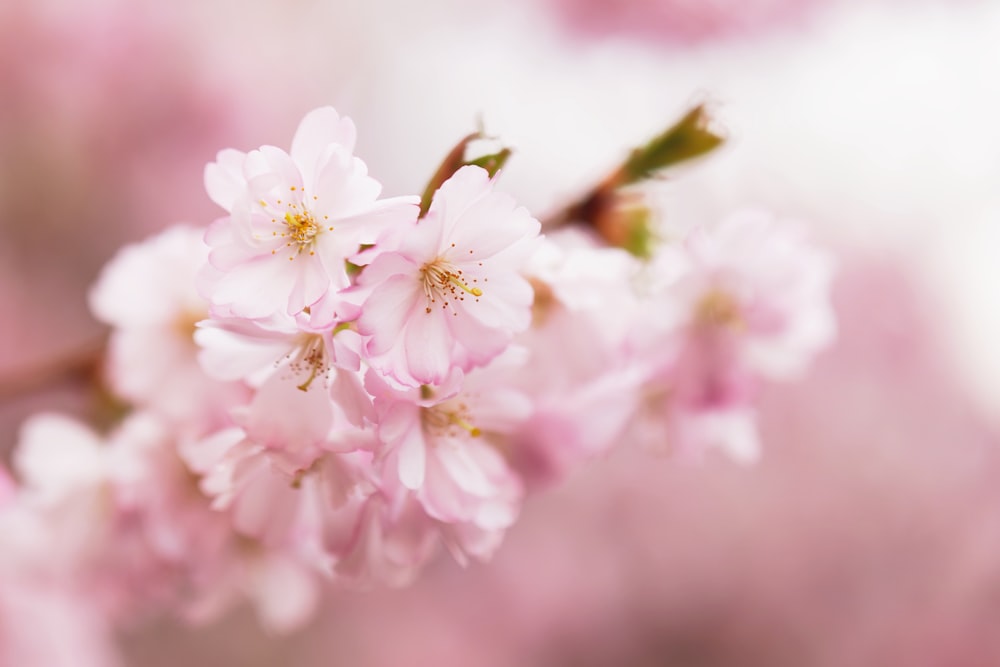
(80, 365)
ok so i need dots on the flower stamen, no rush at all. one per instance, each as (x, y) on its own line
(439, 420)
(457, 420)
(311, 355)
(440, 279)
(302, 227)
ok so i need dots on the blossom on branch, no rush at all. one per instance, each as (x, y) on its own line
(448, 293)
(294, 219)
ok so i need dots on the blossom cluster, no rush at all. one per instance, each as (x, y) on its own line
(326, 384)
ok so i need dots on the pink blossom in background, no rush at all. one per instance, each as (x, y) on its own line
(44, 623)
(107, 120)
(91, 500)
(747, 303)
(147, 294)
(582, 387)
(45, 619)
(693, 23)
(681, 21)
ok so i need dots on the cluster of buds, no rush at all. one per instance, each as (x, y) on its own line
(330, 385)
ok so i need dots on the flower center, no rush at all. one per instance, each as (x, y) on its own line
(298, 225)
(442, 281)
(302, 227)
(447, 419)
(309, 357)
(718, 309)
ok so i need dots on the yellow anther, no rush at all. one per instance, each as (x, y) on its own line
(456, 419)
(474, 291)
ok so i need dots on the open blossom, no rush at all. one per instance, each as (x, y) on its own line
(392, 538)
(293, 219)
(114, 513)
(763, 288)
(234, 348)
(67, 475)
(265, 498)
(581, 386)
(147, 294)
(749, 301)
(45, 622)
(446, 447)
(450, 295)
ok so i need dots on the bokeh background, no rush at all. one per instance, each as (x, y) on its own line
(869, 534)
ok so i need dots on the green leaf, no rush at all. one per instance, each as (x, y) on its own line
(455, 160)
(493, 162)
(688, 138)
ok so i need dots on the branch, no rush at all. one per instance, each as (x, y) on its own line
(80, 365)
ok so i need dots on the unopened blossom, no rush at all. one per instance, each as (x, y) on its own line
(294, 218)
(450, 293)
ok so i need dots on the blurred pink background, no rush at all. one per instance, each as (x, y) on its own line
(869, 534)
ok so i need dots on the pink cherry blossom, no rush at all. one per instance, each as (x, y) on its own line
(154, 488)
(392, 538)
(762, 286)
(749, 301)
(450, 293)
(287, 499)
(306, 356)
(66, 472)
(578, 374)
(147, 294)
(133, 532)
(685, 22)
(95, 540)
(447, 449)
(293, 219)
(47, 623)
